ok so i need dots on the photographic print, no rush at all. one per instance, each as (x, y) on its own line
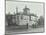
(24, 17)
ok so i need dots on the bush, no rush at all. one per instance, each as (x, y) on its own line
(34, 26)
(41, 20)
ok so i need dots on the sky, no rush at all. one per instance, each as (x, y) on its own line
(35, 8)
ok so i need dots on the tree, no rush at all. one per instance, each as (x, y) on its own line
(41, 20)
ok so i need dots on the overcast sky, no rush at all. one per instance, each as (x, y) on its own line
(36, 8)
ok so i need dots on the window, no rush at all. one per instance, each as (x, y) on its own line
(21, 17)
(26, 18)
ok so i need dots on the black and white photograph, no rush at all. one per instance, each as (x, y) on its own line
(23, 17)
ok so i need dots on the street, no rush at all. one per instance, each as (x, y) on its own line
(15, 30)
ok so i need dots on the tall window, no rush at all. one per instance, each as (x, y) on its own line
(21, 17)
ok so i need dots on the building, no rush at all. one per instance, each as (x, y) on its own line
(25, 17)
(21, 18)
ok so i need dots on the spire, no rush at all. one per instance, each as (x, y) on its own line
(25, 6)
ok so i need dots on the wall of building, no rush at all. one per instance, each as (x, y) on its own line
(24, 21)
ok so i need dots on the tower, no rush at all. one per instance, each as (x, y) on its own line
(26, 10)
(17, 17)
(16, 9)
